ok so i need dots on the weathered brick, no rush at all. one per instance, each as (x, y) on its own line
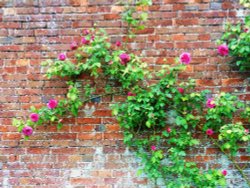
(88, 150)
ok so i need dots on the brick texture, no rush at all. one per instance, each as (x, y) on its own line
(88, 152)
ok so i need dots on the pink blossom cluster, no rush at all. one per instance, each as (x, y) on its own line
(34, 117)
(125, 58)
(223, 50)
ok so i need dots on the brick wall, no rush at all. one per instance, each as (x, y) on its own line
(88, 152)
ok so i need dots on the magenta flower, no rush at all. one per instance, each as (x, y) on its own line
(85, 41)
(181, 90)
(27, 131)
(125, 58)
(224, 172)
(169, 130)
(223, 50)
(62, 57)
(118, 43)
(85, 31)
(210, 103)
(52, 104)
(209, 132)
(185, 58)
(245, 30)
(34, 117)
(131, 94)
(153, 148)
(73, 45)
(92, 37)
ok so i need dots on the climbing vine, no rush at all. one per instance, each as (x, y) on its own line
(235, 42)
(160, 120)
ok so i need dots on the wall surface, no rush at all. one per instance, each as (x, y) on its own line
(88, 152)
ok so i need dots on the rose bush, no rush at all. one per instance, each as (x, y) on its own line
(159, 120)
(235, 42)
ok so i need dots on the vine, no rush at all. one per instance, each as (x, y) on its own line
(160, 120)
(235, 42)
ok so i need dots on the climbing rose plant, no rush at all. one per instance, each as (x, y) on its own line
(160, 121)
(235, 42)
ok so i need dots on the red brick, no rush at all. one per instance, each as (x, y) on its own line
(37, 151)
(145, 31)
(64, 151)
(90, 136)
(112, 127)
(64, 136)
(12, 136)
(88, 120)
(245, 158)
(83, 181)
(232, 81)
(187, 22)
(111, 16)
(204, 37)
(113, 136)
(103, 113)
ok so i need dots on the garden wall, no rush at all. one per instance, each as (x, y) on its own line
(89, 152)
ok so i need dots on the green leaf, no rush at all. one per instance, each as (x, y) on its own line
(148, 124)
(59, 125)
(32, 109)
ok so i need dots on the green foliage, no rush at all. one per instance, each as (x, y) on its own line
(135, 15)
(146, 116)
(74, 101)
(231, 135)
(246, 113)
(65, 106)
(237, 37)
(226, 106)
(245, 3)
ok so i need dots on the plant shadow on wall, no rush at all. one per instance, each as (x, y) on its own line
(160, 120)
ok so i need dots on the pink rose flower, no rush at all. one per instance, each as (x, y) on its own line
(125, 58)
(62, 57)
(85, 41)
(85, 31)
(52, 104)
(210, 103)
(169, 130)
(118, 43)
(223, 50)
(181, 90)
(246, 131)
(153, 148)
(185, 58)
(27, 131)
(34, 117)
(73, 45)
(245, 30)
(131, 94)
(224, 172)
(209, 132)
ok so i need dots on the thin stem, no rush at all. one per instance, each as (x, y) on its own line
(233, 161)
